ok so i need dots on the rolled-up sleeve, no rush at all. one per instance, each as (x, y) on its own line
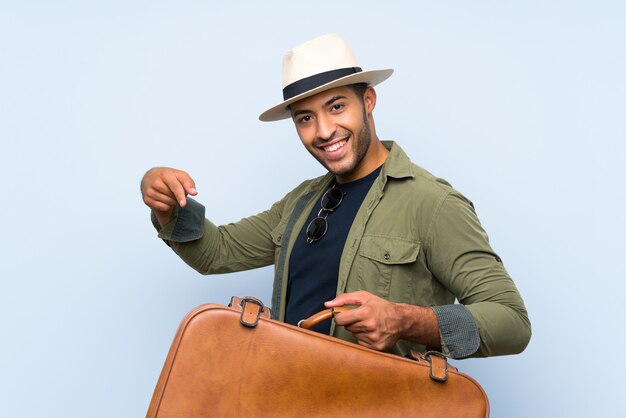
(459, 334)
(186, 224)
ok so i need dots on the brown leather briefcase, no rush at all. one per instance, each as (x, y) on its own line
(235, 361)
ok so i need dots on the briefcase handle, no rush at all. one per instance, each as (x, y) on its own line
(321, 316)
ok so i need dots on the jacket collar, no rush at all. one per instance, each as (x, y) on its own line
(397, 165)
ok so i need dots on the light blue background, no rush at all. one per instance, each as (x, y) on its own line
(521, 105)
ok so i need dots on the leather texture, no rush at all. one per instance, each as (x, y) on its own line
(219, 367)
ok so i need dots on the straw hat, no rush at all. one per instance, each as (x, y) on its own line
(317, 65)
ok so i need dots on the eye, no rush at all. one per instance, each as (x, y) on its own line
(337, 107)
(304, 119)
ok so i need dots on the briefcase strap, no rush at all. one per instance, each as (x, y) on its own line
(251, 310)
(439, 365)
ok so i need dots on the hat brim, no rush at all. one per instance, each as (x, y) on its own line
(371, 77)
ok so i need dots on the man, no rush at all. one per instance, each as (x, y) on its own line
(377, 233)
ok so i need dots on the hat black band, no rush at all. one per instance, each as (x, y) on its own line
(314, 81)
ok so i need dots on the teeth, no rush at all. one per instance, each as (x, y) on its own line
(335, 146)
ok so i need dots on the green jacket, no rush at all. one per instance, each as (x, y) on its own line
(414, 240)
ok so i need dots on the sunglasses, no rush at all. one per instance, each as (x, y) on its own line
(319, 225)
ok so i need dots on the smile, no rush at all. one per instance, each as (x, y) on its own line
(335, 146)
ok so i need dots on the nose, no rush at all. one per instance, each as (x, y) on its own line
(326, 128)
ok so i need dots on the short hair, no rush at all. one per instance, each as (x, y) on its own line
(359, 89)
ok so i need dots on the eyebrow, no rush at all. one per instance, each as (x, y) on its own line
(333, 100)
(328, 103)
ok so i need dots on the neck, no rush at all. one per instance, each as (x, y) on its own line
(374, 158)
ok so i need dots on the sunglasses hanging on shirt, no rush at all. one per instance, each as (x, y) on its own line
(319, 225)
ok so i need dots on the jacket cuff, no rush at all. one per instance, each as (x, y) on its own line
(187, 223)
(458, 330)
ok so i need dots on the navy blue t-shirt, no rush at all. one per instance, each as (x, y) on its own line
(313, 268)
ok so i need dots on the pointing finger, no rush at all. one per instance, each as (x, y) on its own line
(188, 184)
(176, 188)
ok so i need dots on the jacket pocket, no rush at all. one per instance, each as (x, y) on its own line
(383, 260)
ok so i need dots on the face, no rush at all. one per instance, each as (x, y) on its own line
(334, 126)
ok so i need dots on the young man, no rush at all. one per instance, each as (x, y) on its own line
(377, 232)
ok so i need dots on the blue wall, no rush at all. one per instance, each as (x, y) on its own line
(521, 105)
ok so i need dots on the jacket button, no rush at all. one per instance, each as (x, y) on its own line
(387, 256)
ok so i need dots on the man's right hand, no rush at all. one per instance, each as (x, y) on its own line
(162, 188)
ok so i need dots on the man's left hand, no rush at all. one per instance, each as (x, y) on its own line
(379, 324)
(375, 322)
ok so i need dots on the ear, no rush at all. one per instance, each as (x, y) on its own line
(369, 99)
